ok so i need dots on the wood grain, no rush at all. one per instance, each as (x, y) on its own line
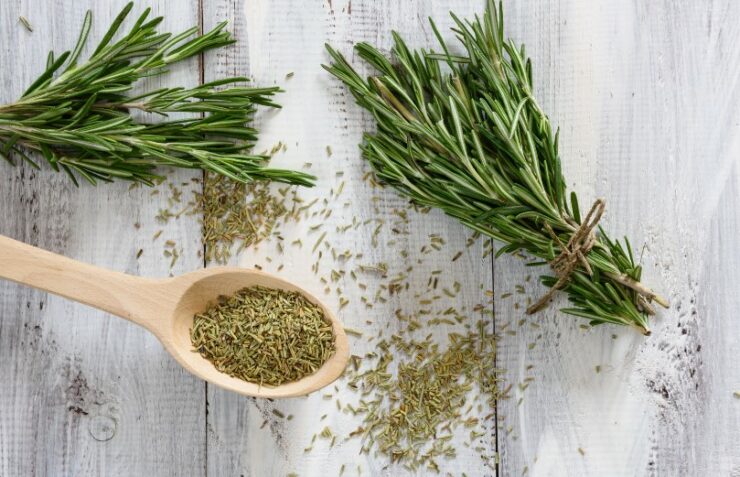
(85, 393)
(647, 97)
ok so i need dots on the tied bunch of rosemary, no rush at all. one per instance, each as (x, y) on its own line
(464, 133)
(78, 114)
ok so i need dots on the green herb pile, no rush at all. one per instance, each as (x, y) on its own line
(234, 215)
(264, 336)
(416, 395)
(235, 212)
(464, 133)
(78, 115)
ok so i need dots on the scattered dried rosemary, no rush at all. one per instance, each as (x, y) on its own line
(238, 213)
(415, 396)
(264, 336)
(232, 214)
(26, 23)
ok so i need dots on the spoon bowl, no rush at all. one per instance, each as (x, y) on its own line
(166, 307)
(202, 288)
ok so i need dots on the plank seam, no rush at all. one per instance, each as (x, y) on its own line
(201, 80)
(497, 469)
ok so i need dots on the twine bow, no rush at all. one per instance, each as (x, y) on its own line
(572, 254)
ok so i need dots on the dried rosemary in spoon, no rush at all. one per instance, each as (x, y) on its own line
(263, 335)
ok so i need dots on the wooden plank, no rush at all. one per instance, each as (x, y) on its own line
(279, 37)
(85, 393)
(642, 125)
(716, 399)
(228, 413)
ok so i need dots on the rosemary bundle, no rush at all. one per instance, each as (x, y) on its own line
(78, 115)
(264, 336)
(464, 133)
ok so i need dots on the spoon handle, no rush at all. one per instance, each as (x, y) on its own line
(117, 293)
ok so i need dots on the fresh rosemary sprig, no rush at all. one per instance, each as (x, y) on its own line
(474, 142)
(78, 115)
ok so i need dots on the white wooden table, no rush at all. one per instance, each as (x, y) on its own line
(647, 94)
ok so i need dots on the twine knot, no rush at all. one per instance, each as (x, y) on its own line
(572, 254)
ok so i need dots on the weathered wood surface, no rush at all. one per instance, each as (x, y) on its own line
(645, 93)
(85, 393)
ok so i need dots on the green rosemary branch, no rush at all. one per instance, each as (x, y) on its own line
(464, 133)
(78, 115)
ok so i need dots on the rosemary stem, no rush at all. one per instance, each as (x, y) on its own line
(643, 329)
(638, 287)
(386, 93)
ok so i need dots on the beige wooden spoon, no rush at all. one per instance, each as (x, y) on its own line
(165, 307)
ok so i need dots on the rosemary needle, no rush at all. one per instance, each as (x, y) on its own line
(26, 23)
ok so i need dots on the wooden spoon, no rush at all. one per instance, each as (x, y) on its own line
(165, 307)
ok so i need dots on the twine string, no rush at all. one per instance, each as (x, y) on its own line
(572, 254)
